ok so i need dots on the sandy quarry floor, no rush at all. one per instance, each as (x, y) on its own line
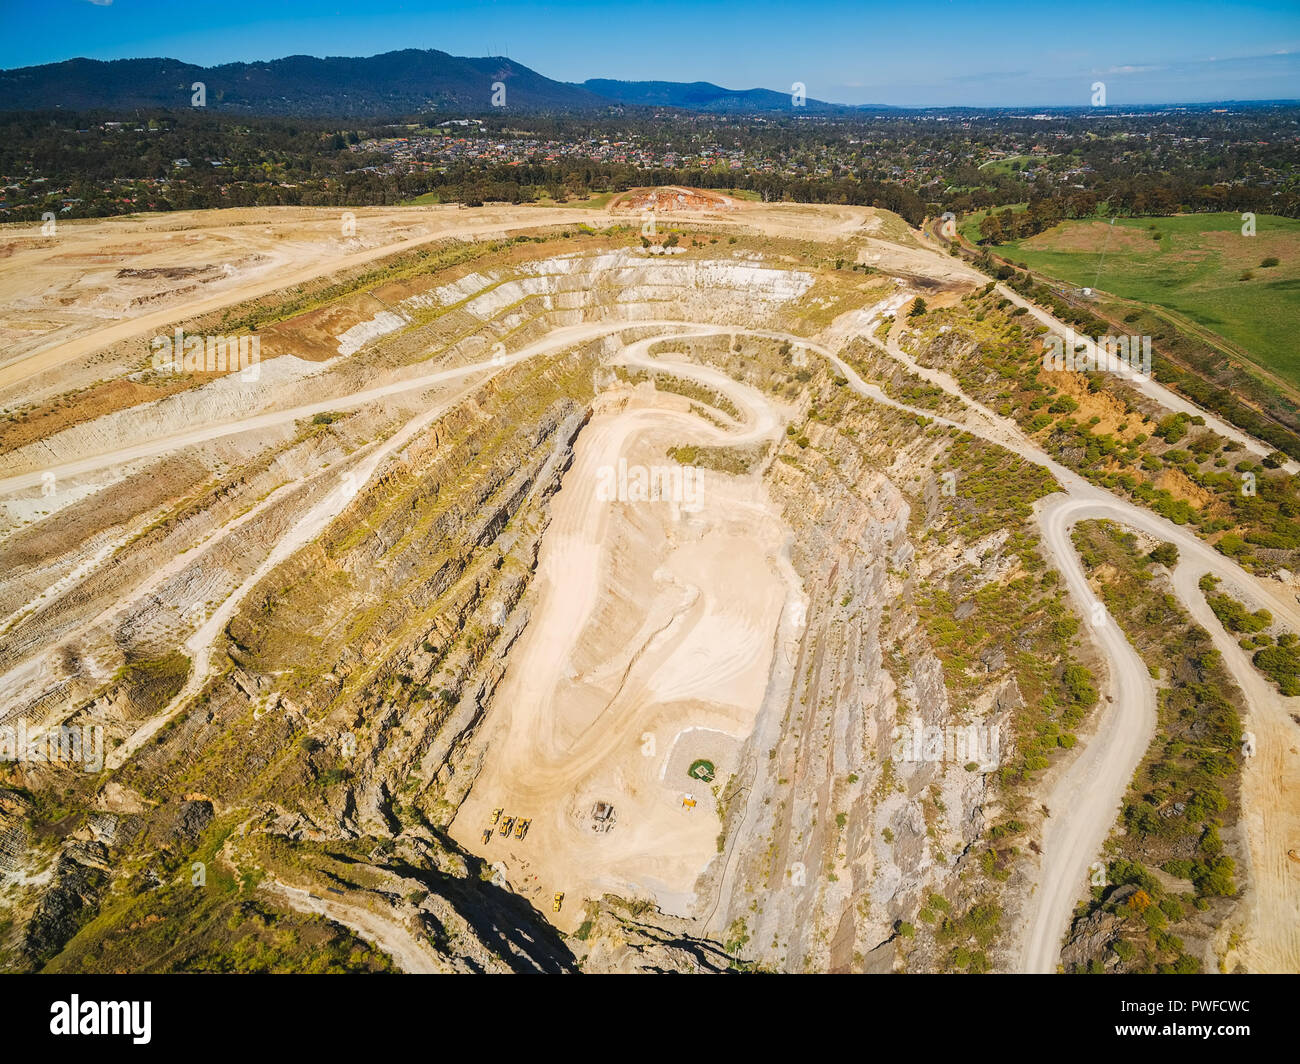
(649, 645)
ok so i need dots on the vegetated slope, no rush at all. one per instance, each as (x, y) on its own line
(1187, 358)
(393, 83)
(1273, 651)
(1102, 428)
(267, 764)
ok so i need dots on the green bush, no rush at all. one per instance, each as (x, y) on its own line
(1281, 664)
(1165, 554)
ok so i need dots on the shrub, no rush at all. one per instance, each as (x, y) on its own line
(1165, 554)
(1078, 681)
(1281, 664)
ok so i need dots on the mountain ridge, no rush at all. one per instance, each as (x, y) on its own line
(394, 83)
(706, 96)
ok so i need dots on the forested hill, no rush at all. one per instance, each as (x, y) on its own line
(394, 83)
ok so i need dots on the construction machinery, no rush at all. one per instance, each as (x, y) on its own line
(521, 828)
(496, 815)
(602, 817)
(487, 836)
(506, 825)
(688, 802)
(557, 901)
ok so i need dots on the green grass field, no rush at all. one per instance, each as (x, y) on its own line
(1198, 266)
(1012, 163)
(738, 193)
(595, 201)
(427, 200)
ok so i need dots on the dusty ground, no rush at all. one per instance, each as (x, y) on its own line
(99, 282)
(664, 200)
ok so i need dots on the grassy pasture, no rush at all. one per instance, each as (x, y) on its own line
(1200, 267)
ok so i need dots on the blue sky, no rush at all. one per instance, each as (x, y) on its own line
(925, 53)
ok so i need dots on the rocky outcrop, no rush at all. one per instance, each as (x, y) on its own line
(80, 876)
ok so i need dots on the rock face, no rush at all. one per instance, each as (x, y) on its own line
(622, 942)
(1091, 936)
(80, 874)
(840, 838)
(192, 819)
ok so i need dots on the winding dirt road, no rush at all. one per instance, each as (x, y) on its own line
(1087, 798)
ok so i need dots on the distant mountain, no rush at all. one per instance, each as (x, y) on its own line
(388, 85)
(701, 96)
(394, 83)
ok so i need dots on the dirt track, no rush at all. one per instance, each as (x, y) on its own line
(407, 950)
(1086, 799)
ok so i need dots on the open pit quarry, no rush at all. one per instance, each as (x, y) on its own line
(558, 592)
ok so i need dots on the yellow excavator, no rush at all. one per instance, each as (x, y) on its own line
(558, 901)
(496, 815)
(521, 828)
(506, 825)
